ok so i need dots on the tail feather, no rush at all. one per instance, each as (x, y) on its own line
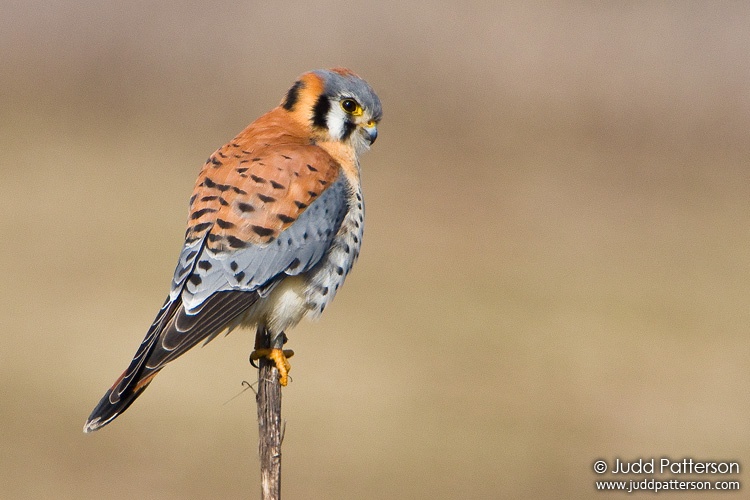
(173, 333)
(107, 410)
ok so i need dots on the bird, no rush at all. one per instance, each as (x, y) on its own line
(275, 225)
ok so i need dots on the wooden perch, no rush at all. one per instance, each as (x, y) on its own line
(269, 419)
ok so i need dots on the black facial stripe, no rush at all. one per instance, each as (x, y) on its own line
(320, 111)
(293, 95)
(349, 127)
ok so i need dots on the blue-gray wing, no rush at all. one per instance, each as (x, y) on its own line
(256, 267)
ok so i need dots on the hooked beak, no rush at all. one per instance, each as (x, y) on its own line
(372, 132)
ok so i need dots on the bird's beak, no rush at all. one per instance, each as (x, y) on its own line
(372, 132)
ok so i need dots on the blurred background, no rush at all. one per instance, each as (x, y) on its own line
(555, 267)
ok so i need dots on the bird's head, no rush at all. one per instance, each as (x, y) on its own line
(337, 105)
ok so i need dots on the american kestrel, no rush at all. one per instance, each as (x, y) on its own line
(275, 225)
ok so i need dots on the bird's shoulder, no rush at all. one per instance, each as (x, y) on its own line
(258, 184)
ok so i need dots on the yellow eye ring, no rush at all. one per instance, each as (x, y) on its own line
(351, 107)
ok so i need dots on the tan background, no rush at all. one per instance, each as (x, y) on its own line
(556, 263)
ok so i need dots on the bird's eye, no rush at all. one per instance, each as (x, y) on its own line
(351, 106)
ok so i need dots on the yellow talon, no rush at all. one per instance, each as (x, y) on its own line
(279, 358)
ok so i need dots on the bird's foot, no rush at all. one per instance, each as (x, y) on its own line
(279, 358)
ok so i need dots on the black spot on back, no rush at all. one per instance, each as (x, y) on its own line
(224, 224)
(200, 213)
(262, 231)
(235, 242)
(202, 226)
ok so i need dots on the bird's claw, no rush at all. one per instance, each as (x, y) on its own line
(279, 358)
